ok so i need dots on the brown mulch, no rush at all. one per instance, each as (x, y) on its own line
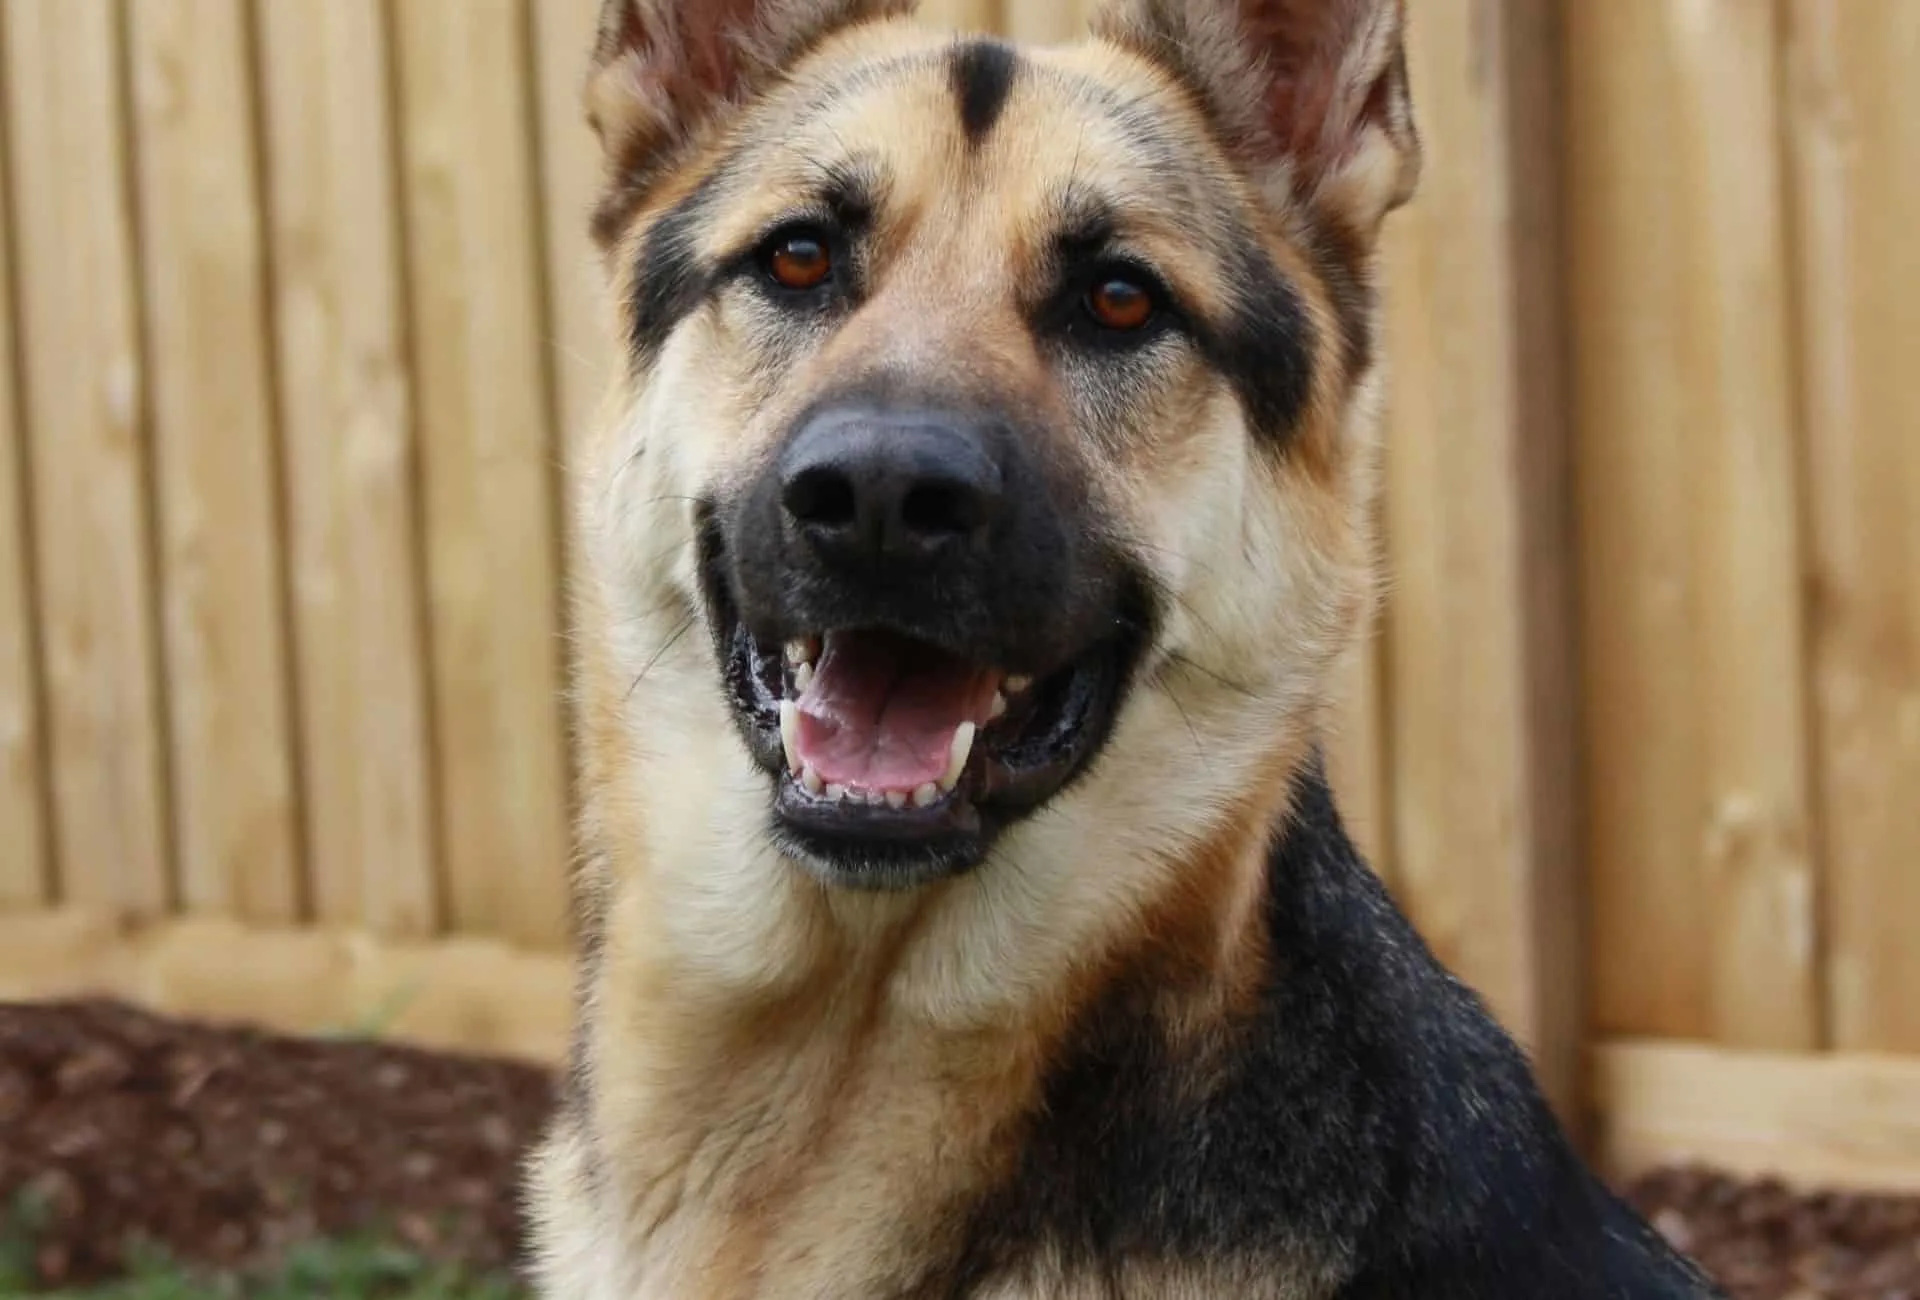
(225, 1146)
(1763, 1242)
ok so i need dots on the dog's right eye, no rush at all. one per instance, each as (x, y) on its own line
(798, 260)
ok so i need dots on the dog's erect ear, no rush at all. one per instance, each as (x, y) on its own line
(663, 69)
(1311, 94)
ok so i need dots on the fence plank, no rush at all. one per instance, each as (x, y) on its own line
(1043, 21)
(353, 535)
(1817, 1120)
(1697, 787)
(457, 994)
(230, 724)
(78, 333)
(581, 348)
(472, 259)
(1477, 531)
(1856, 132)
(965, 15)
(26, 868)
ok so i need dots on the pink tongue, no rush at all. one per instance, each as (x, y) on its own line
(881, 711)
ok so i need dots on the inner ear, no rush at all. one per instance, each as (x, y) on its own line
(1315, 90)
(664, 73)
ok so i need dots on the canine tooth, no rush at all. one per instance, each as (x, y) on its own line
(999, 707)
(811, 780)
(1018, 683)
(802, 650)
(835, 793)
(790, 734)
(957, 755)
(926, 795)
(896, 798)
(802, 677)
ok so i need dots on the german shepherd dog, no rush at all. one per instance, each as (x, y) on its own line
(965, 549)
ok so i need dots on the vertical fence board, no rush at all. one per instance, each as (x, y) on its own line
(25, 865)
(581, 348)
(472, 261)
(1856, 137)
(1477, 533)
(352, 535)
(965, 15)
(1043, 21)
(1697, 773)
(78, 333)
(230, 720)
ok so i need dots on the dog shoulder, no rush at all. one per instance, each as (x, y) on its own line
(1478, 1192)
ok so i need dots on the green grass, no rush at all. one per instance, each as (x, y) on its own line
(329, 1270)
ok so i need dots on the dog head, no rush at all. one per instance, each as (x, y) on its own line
(998, 417)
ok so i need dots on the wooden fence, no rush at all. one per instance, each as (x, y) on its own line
(297, 311)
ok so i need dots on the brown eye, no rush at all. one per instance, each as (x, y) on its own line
(799, 262)
(1120, 304)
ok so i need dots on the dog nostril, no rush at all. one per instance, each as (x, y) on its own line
(821, 496)
(937, 509)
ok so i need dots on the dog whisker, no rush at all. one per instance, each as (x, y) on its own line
(685, 626)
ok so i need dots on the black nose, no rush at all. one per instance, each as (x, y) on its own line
(863, 485)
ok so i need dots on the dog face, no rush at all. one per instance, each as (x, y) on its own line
(999, 415)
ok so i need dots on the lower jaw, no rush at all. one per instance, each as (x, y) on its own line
(874, 846)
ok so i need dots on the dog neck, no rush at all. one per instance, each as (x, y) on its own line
(805, 1056)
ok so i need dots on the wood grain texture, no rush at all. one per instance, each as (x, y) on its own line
(460, 994)
(1855, 136)
(1045, 22)
(1816, 1120)
(1697, 772)
(489, 460)
(78, 333)
(1477, 530)
(354, 560)
(216, 466)
(26, 864)
(582, 344)
(967, 15)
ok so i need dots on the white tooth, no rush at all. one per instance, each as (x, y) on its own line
(811, 780)
(790, 733)
(802, 650)
(926, 795)
(957, 755)
(835, 793)
(802, 677)
(896, 798)
(999, 707)
(1018, 683)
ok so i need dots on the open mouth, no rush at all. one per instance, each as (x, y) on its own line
(898, 761)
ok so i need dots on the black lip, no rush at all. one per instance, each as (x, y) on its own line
(1045, 744)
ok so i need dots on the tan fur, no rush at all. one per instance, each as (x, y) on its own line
(793, 1090)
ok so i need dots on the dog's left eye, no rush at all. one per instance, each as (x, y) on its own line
(1118, 303)
(798, 260)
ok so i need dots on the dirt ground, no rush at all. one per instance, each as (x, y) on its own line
(225, 1146)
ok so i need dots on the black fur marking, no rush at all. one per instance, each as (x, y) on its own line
(1366, 1122)
(672, 279)
(1264, 345)
(983, 74)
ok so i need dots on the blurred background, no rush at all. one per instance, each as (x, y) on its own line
(298, 318)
